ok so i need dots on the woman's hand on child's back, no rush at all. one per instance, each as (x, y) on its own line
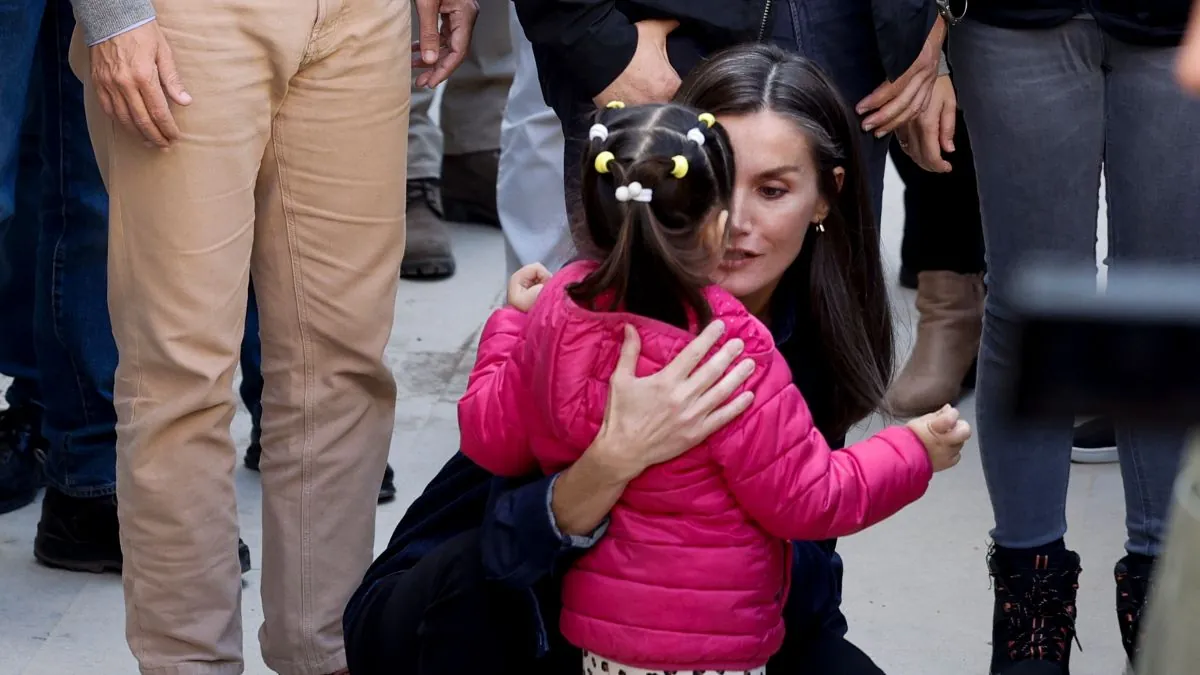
(526, 284)
(943, 435)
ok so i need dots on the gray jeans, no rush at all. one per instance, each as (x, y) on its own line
(1047, 110)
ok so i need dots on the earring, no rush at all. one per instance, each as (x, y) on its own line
(820, 226)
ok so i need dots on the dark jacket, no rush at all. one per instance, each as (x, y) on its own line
(1143, 22)
(581, 46)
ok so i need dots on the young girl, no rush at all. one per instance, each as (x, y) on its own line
(693, 569)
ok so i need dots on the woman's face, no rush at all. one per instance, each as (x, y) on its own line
(776, 198)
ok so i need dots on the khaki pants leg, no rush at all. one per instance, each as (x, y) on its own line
(326, 269)
(477, 92)
(184, 226)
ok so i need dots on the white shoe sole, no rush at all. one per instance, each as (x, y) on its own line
(1094, 455)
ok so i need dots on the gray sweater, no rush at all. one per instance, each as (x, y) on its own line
(102, 19)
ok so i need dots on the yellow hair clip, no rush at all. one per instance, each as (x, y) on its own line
(708, 119)
(680, 168)
(615, 105)
(602, 161)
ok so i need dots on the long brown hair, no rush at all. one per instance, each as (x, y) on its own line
(655, 259)
(837, 281)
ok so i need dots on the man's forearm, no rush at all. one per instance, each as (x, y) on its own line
(103, 19)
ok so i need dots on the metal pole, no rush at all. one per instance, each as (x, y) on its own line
(1170, 642)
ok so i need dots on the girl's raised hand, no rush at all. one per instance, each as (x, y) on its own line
(943, 435)
(526, 284)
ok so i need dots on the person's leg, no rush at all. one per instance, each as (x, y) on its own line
(839, 35)
(472, 110)
(76, 353)
(180, 240)
(531, 150)
(427, 253)
(417, 622)
(1152, 142)
(823, 653)
(1039, 178)
(251, 388)
(943, 246)
(20, 189)
(328, 242)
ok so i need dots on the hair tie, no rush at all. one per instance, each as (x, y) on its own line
(679, 166)
(602, 161)
(598, 132)
(696, 136)
(615, 105)
(635, 192)
(707, 118)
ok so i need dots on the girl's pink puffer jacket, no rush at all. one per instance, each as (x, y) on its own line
(693, 570)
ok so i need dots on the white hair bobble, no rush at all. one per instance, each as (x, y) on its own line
(696, 136)
(635, 192)
(598, 132)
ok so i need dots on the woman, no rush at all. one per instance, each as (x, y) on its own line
(1051, 98)
(426, 596)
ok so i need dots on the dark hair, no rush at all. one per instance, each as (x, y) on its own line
(654, 259)
(837, 281)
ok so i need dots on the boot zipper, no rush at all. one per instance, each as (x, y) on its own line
(762, 28)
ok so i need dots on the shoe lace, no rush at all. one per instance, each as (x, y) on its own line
(1041, 621)
(425, 190)
(1131, 592)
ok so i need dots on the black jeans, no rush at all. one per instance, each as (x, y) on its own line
(943, 230)
(443, 618)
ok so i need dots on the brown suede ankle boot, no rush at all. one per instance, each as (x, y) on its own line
(951, 308)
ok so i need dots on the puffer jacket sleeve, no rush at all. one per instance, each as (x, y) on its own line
(494, 435)
(783, 473)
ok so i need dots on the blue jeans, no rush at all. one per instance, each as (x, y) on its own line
(1047, 111)
(56, 339)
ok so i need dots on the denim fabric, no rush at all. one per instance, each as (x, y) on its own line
(251, 388)
(53, 260)
(1047, 111)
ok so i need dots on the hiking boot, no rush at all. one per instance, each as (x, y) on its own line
(942, 360)
(1033, 622)
(21, 451)
(81, 534)
(469, 187)
(78, 534)
(1095, 442)
(427, 253)
(387, 488)
(1133, 585)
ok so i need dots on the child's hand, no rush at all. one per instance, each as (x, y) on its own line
(525, 286)
(943, 435)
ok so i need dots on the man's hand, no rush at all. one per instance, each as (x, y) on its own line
(649, 77)
(931, 133)
(895, 103)
(134, 74)
(443, 49)
(1189, 55)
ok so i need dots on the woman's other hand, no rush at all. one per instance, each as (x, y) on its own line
(895, 103)
(931, 133)
(654, 419)
(943, 435)
(526, 284)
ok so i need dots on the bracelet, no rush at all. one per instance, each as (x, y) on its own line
(947, 12)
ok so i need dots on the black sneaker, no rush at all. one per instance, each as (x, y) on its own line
(1095, 442)
(77, 534)
(21, 451)
(1033, 622)
(387, 489)
(1133, 584)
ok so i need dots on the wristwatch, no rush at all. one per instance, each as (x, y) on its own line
(947, 12)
